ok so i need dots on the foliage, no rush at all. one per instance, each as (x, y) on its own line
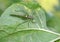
(27, 21)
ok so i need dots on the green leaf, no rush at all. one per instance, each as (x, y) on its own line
(29, 36)
(57, 40)
(17, 29)
(39, 20)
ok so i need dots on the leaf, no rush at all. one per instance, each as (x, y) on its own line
(16, 29)
(29, 36)
(8, 20)
(57, 40)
